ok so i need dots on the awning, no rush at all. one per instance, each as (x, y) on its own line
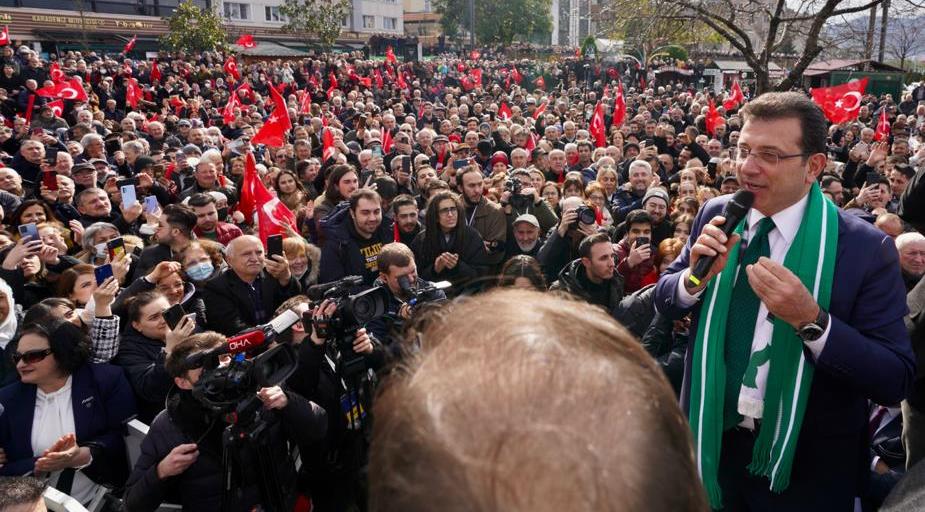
(271, 49)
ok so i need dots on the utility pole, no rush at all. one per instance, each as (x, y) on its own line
(472, 23)
(869, 43)
(884, 23)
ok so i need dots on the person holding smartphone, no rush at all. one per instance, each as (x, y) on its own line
(634, 255)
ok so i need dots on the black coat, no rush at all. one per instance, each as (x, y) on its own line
(230, 309)
(472, 258)
(572, 280)
(340, 254)
(142, 358)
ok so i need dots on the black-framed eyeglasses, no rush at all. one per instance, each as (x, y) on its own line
(31, 356)
(766, 157)
(451, 210)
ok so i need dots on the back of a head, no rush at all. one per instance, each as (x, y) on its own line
(21, 493)
(552, 407)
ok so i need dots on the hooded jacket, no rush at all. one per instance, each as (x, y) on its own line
(341, 254)
(572, 279)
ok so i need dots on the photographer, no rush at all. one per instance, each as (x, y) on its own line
(561, 245)
(520, 197)
(181, 457)
(399, 274)
(333, 468)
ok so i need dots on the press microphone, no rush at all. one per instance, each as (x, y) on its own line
(734, 211)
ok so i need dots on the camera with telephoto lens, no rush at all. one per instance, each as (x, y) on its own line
(353, 311)
(418, 295)
(585, 215)
(518, 199)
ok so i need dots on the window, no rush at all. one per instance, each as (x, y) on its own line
(345, 21)
(389, 23)
(369, 21)
(236, 11)
(273, 14)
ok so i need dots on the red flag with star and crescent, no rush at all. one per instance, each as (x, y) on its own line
(129, 46)
(56, 106)
(840, 103)
(272, 133)
(390, 55)
(133, 93)
(272, 214)
(619, 107)
(327, 143)
(246, 41)
(68, 90)
(5, 36)
(539, 111)
(598, 128)
(55, 73)
(735, 98)
(228, 111)
(504, 112)
(305, 104)
(155, 71)
(231, 68)
(515, 75)
(883, 127)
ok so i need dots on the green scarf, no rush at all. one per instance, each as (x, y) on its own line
(812, 258)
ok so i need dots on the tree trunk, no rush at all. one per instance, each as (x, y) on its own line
(869, 42)
(884, 23)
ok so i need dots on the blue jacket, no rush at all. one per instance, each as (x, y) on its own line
(340, 255)
(103, 404)
(867, 356)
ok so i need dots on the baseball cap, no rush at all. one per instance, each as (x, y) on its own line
(529, 219)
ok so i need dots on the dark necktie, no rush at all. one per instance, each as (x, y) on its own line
(740, 324)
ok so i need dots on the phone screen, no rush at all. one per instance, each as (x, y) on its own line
(275, 245)
(173, 316)
(151, 204)
(116, 248)
(102, 273)
(29, 231)
(50, 180)
(128, 195)
(406, 164)
(459, 164)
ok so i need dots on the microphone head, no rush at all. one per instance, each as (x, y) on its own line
(739, 205)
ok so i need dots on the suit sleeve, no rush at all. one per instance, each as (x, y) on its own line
(108, 447)
(666, 300)
(871, 350)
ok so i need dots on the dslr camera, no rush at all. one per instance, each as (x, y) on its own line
(585, 215)
(518, 199)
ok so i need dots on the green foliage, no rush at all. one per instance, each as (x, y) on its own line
(193, 29)
(315, 19)
(496, 22)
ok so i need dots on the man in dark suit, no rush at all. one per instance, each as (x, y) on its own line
(247, 292)
(857, 348)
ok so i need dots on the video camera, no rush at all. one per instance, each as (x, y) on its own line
(518, 199)
(353, 311)
(419, 295)
(231, 388)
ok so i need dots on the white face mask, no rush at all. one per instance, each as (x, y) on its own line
(100, 250)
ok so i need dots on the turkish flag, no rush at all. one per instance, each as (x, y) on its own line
(540, 82)
(56, 106)
(883, 127)
(400, 79)
(840, 103)
(327, 142)
(54, 71)
(713, 118)
(530, 145)
(735, 98)
(233, 103)
(247, 41)
(5, 36)
(30, 104)
(130, 45)
(386, 141)
(332, 84)
(231, 68)
(379, 81)
(69, 90)
(246, 87)
(476, 74)
(155, 72)
(597, 128)
(504, 112)
(273, 131)
(272, 215)
(619, 107)
(474, 55)
(539, 111)
(390, 55)
(305, 106)
(516, 75)
(133, 93)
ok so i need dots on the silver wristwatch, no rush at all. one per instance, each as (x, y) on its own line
(815, 329)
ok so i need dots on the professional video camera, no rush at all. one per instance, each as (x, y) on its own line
(419, 295)
(352, 313)
(231, 390)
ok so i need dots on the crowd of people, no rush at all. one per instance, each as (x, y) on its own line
(123, 200)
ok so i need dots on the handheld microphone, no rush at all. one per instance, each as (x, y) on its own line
(245, 341)
(734, 211)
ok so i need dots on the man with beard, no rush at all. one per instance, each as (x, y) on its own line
(526, 239)
(483, 215)
(208, 220)
(354, 236)
(405, 216)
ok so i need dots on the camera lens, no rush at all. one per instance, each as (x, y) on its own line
(586, 215)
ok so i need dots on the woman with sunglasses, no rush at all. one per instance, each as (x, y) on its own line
(64, 416)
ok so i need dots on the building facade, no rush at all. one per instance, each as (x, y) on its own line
(572, 21)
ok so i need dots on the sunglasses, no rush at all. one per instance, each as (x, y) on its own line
(31, 357)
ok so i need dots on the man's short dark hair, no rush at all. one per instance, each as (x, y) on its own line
(181, 217)
(772, 106)
(395, 254)
(638, 217)
(584, 248)
(403, 200)
(363, 193)
(20, 490)
(176, 364)
(201, 199)
(466, 170)
(828, 180)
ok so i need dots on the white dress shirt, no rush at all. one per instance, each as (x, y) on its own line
(780, 238)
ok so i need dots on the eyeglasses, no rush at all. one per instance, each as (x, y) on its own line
(770, 158)
(31, 356)
(452, 210)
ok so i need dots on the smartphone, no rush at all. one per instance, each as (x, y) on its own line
(491, 115)
(274, 245)
(872, 177)
(173, 315)
(102, 273)
(365, 177)
(116, 248)
(642, 240)
(649, 142)
(406, 164)
(151, 204)
(28, 232)
(459, 164)
(124, 182)
(50, 180)
(377, 152)
(158, 171)
(128, 195)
